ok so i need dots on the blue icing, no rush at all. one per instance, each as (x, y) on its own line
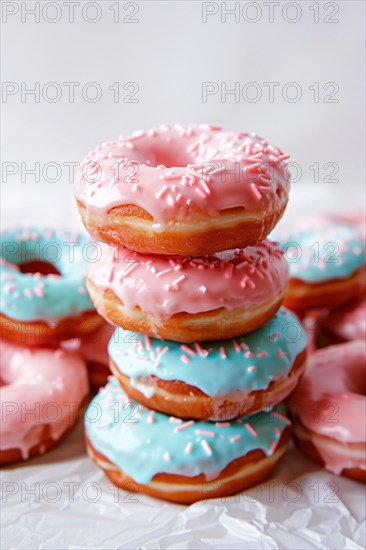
(29, 297)
(144, 443)
(282, 339)
(326, 250)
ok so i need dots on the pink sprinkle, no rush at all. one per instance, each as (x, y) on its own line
(130, 268)
(222, 424)
(236, 346)
(272, 447)
(235, 438)
(167, 457)
(175, 420)
(9, 287)
(209, 433)
(255, 191)
(222, 352)
(170, 177)
(277, 431)
(39, 291)
(184, 426)
(206, 187)
(162, 191)
(163, 351)
(28, 293)
(281, 417)
(104, 425)
(201, 351)
(264, 189)
(150, 419)
(206, 447)
(201, 193)
(148, 342)
(229, 271)
(250, 283)
(188, 350)
(185, 358)
(283, 157)
(280, 354)
(249, 355)
(244, 281)
(251, 368)
(188, 448)
(171, 287)
(83, 290)
(250, 429)
(273, 160)
(261, 354)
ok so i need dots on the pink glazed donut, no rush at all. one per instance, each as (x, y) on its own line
(185, 190)
(42, 394)
(329, 409)
(343, 324)
(215, 297)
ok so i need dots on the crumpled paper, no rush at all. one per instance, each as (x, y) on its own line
(63, 501)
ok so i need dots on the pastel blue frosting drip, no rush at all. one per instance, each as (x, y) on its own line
(63, 296)
(140, 448)
(215, 375)
(341, 251)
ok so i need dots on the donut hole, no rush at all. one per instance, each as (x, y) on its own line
(177, 158)
(43, 268)
(355, 382)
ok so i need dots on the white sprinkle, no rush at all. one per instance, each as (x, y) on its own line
(179, 280)
(206, 447)
(209, 433)
(188, 448)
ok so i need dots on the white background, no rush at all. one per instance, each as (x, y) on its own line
(169, 53)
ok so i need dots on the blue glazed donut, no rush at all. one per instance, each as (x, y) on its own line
(145, 451)
(326, 258)
(43, 295)
(215, 380)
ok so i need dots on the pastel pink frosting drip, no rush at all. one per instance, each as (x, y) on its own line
(330, 398)
(39, 386)
(173, 171)
(164, 286)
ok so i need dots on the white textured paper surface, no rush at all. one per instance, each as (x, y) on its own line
(300, 506)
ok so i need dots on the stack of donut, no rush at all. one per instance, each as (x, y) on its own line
(327, 263)
(44, 301)
(203, 352)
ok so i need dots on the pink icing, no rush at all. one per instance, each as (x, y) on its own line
(330, 398)
(164, 286)
(94, 348)
(175, 171)
(349, 322)
(38, 386)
